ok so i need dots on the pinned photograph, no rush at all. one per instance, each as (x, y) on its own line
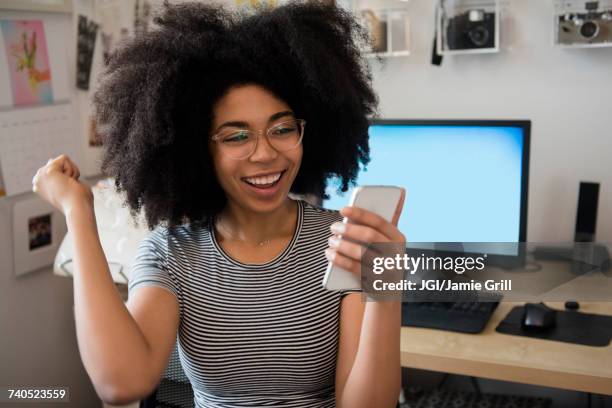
(86, 40)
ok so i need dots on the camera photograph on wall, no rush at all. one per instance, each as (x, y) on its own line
(468, 26)
(586, 23)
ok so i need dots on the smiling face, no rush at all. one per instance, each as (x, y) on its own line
(255, 108)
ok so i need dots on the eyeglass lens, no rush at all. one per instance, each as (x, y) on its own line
(240, 143)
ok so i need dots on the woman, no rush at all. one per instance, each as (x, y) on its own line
(204, 122)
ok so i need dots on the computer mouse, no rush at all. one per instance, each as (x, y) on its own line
(538, 316)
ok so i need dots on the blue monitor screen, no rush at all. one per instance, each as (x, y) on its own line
(463, 183)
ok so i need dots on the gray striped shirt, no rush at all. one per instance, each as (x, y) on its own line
(250, 334)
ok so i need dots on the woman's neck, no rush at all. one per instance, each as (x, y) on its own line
(254, 227)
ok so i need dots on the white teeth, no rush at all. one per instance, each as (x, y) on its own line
(264, 180)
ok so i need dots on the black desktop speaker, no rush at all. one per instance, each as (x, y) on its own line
(584, 258)
(586, 214)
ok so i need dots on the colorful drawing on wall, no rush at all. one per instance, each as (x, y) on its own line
(28, 60)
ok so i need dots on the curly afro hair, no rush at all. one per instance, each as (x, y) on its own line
(154, 102)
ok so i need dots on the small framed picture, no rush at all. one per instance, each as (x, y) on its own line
(38, 229)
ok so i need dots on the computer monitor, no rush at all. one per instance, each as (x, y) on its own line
(465, 180)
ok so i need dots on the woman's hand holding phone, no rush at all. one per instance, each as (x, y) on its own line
(363, 227)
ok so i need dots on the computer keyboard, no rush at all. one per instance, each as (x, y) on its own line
(465, 317)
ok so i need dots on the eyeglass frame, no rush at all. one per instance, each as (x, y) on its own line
(302, 123)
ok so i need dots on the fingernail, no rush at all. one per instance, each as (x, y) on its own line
(330, 254)
(338, 228)
(334, 241)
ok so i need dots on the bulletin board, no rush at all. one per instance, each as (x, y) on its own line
(37, 111)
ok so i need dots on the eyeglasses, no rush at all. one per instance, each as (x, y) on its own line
(241, 143)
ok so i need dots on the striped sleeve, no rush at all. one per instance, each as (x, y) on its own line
(150, 267)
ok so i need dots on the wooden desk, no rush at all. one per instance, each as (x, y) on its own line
(512, 358)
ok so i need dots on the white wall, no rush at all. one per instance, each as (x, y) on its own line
(38, 343)
(567, 93)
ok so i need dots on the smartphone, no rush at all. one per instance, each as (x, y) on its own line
(382, 200)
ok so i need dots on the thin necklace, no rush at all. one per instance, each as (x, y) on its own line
(260, 243)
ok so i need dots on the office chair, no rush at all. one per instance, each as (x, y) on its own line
(174, 389)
